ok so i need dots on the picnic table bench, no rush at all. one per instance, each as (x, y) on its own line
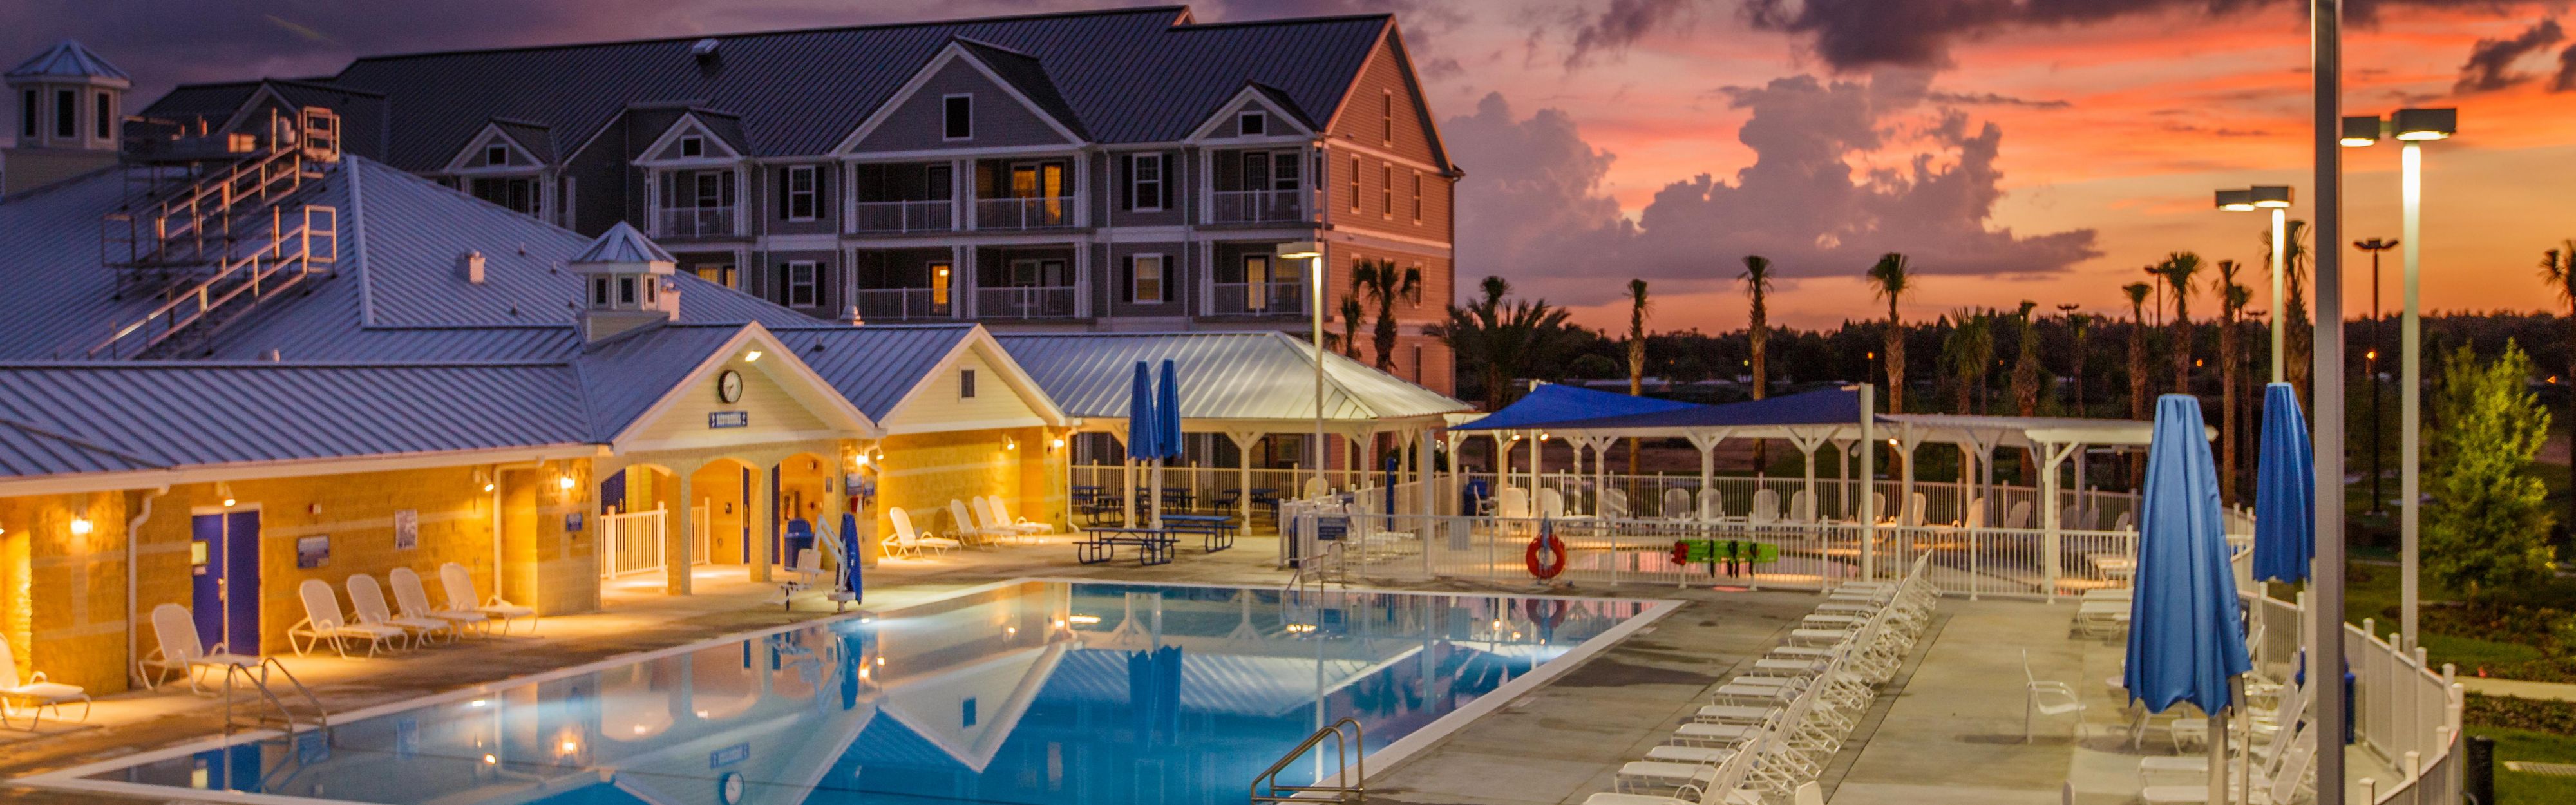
(1216, 531)
(1153, 545)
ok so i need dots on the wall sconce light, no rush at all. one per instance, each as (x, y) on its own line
(483, 480)
(564, 482)
(863, 459)
(81, 526)
(1058, 444)
(1009, 443)
(225, 491)
(751, 357)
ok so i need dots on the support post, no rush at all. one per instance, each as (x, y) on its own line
(1868, 471)
(2326, 661)
(2410, 448)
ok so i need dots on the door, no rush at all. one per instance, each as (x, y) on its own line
(224, 558)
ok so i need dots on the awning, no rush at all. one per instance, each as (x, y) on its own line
(1551, 404)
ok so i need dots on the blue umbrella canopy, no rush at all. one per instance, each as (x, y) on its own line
(850, 553)
(1167, 412)
(1144, 436)
(2285, 490)
(2186, 635)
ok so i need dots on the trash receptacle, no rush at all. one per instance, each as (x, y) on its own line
(800, 536)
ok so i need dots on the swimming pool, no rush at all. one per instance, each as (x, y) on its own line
(1032, 691)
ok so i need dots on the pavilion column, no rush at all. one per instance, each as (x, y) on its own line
(1868, 476)
(1842, 478)
(1534, 471)
(2051, 455)
(1428, 502)
(766, 498)
(1243, 444)
(675, 574)
(1807, 444)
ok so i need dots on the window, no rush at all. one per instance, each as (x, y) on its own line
(966, 386)
(1145, 283)
(1145, 182)
(798, 194)
(800, 283)
(1417, 197)
(27, 113)
(1417, 363)
(599, 292)
(1355, 184)
(1386, 189)
(1386, 118)
(517, 193)
(1256, 283)
(1283, 170)
(957, 117)
(106, 116)
(496, 154)
(66, 114)
(712, 189)
(693, 146)
(1252, 124)
(939, 285)
(626, 290)
(718, 273)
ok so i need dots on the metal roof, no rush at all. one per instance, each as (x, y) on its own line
(27, 450)
(622, 244)
(67, 59)
(1264, 375)
(623, 377)
(538, 138)
(1126, 75)
(875, 365)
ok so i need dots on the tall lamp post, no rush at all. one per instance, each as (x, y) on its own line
(1313, 253)
(2411, 128)
(2277, 199)
(2370, 366)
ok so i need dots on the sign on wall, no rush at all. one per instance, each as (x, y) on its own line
(313, 551)
(728, 419)
(406, 529)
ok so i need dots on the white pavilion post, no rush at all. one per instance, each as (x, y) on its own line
(1842, 477)
(1534, 472)
(1243, 442)
(1868, 470)
(1707, 444)
(2051, 455)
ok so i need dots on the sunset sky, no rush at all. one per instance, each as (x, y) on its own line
(2018, 149)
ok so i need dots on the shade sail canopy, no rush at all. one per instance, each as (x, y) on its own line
(1550, 405)
(2285, 490)
(2186, 635)
(1836, 406)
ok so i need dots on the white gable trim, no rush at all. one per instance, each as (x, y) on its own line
(1000, 360)
(688, 124)
(952, 52)
(1219, 126)
(468, 160)
(241, 114)
(817, 395)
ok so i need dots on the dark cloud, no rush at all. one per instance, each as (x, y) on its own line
(1993, 99)
(1621, 24)
(2490, 64)
(1855, 35)
(2565, 81)
(1544, 219)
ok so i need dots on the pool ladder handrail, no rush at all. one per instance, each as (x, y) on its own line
(1350, 752)
(257, 678)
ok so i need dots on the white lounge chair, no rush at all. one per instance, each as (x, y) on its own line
(35, 693)
(322, 621)
(461, 597)
(1802, 507)
(367, 598)
(414, 600)
(2019, 516)
(1612, 504)
(1712, 505)
(2044, 698)
(1512, 502)
(1766, 507)
(1674, 504)
(1551, 504)
(908, 541)
(177, 650)
(964, 527)
(1002, 517)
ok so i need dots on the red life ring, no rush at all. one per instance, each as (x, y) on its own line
(1553, 549)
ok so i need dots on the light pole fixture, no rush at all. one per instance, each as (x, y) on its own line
(2370, 362)
(2411, 128)
(2275, 198)
(1313, 253)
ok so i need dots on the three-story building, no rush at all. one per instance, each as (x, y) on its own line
(1116, 170)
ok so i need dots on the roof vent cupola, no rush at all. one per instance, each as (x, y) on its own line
(68, 108)
(627, 282)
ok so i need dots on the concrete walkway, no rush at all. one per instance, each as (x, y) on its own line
(2556, 691)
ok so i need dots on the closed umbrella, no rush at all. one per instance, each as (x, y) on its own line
(2285, 490)
(2186, 630)
(1167, 430)
(1143, 435)
(850, 556)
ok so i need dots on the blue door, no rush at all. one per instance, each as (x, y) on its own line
(224, 559)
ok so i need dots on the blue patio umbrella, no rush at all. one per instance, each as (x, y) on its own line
(1144, 436)
(2285, 490)
(850, 556)
(1167, 412)
(2186, 633)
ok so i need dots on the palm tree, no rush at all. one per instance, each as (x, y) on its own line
(1757, 335)
(1503, 341)
(2137, 293)
(2558, 268)
(2178, 270)
(1384, 285)
(1636, 353)
(2232, 298)
(1968, 350)
(2080, 326)
(1351, 327)
(1888, 279)
(2025, 374)
(2297, 330)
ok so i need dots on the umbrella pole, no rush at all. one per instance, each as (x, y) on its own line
(2218, 756)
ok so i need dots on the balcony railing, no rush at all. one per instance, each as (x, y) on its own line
(934, 215)
(903, 303)
(1258, 206)
(698, 222)
(1259, 298)
(1043, 212)
(1025, 302)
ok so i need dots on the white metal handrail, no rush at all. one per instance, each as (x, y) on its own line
(699, 222)
(1257, 206)
(922, 215)
(1258, 298)
(902, 303)
(1025, 302)
(1038, 212)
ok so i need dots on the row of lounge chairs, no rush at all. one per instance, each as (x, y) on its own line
(981, 520)
(378, 627)
(1765, 735)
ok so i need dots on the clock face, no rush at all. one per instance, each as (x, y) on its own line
(729, 386)
(729, 788)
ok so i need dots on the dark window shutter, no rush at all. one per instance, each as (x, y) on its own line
(1170, 177)
(1164, 283)
(1127, 182)
(1127, 279)
(783, 211)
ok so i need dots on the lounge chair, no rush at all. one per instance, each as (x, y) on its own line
(1802, 507)
(322, 621)
(1512, 502)
(1766, 507)
(367, 598)
(907, 541)
(1611, 504)
(178, 650)
(1674, 504)
(1712, 505)
(35, 693)
(414, 600)
(1551, 504)
(1026, 527)
(462, 598)
(964, 527)
(2044, 698)
(2019, 516)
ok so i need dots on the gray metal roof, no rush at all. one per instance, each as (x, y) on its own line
(874, 365)
(538, 138)
(1127, 75)
(1263, 375)
(27, 450)
(67, 59)
(623, 377)
(622, 244)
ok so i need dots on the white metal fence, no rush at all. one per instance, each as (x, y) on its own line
(631, 542)
(2404, 710)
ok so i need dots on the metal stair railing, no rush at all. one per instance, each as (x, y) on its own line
(257, 680)
(181, 227)
(1349, 777)
(289, 257)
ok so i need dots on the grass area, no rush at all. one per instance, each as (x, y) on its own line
(2515, 788)
(2371, 591)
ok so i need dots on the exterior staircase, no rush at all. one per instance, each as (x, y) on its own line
(211, 247)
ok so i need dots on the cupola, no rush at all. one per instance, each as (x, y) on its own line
(70, 115)
(627, 282)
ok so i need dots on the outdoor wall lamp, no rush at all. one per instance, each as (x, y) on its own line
(564, 482)
(80, 525)
(750, 357)
(1009, 443)
(225, 491)
(483, 480)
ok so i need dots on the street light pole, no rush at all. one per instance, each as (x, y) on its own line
(1313, 253)
(2277, 199)
(2370, 363)
(2326, 657)
(2411, 128)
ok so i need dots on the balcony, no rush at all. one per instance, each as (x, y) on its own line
(881, 304)
(898, 217)
(1025, 302)
(697, 222)
(1259, 298)
(1258, 206)
(1040, 212)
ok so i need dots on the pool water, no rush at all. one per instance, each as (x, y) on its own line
(1023, 692)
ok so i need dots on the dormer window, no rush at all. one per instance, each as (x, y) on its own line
(496, 154)
(1252, 124)
(693, 146)
(966, 384)
(957, 113)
